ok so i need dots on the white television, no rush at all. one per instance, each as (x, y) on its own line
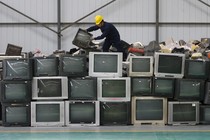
(49, 88)
(140, 66)
(113, 89)
(149, 110)
(169, 65)
(47, 113)
(183, 113)
(82, 113)
(105, 64)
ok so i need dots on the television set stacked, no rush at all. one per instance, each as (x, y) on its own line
(113, 90)
(16, 91)
(82, 107)
(199, 71)
(49, 90)
(146, 109)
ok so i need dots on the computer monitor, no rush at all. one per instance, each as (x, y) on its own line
(17, 69)
(105, 64)
(46, 66)
(73, 66)
(115, 113)
(82, 113)
(196, 69)
(50, 88)
(149, 110)
(15, 91)
(180, 113)
(164, 87)
(189, 90)
(17, 114)
(141, 86)
(113, 89)
(47, 113)
(140, 66)
(204, 114)
(169, 65)
(82, 88)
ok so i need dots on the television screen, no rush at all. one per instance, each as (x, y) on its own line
(114, 89)
(45, 66)
(115, 113)
(82, 113)
(141, 66)
(164, 87)
(83, 88)
(105, 64)
(15, 91)
(17, 69)
(47, 113)
(204, 114)
(149, 110)
(141, 86)
(197, 69)
(48, 88)
(183, 113)
(73, 66)
(82, 39)
(16, 114)
(189, 89)
(169, 65)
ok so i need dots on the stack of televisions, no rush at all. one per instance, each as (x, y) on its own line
(91, 91)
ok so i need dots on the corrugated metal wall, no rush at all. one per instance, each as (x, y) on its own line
(135, 20)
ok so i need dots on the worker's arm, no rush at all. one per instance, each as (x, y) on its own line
(92, 28)
(103, 35)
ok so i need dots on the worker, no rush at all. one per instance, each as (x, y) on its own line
(109, 32)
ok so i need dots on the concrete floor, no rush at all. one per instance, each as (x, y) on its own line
(143, 132)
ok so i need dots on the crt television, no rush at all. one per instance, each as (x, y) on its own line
(50, 88)
(149, 110)
(115, 113)
(47, 113)
(13, 50)
(183, 113)
(113, 89)
(16, 114)
(82, 39)
(105, 64)
(15, 91)
(204, 114)
(189, 89)
(73, 65)
(84, 88)
(140, 66)
(45, 66)
(169, 65)
(17, 69)
(82, 113)
(163, 87)
(196, 69)
(141, 86)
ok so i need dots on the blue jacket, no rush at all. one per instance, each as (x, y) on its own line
(108, 31)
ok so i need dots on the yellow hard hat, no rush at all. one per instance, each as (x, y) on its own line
(98, 19)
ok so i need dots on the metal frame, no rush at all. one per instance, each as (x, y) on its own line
(66, 25)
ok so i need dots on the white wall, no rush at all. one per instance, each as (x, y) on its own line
(125, 14)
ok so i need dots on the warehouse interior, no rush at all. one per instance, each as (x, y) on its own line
(57, 83)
